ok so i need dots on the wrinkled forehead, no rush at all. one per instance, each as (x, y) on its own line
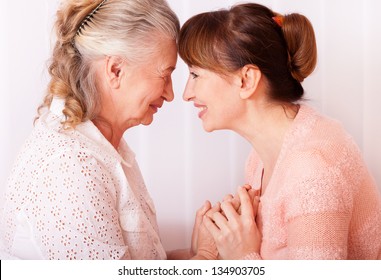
(166, 56)
(163, 58)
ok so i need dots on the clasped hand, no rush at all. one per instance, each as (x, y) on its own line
(228, 230)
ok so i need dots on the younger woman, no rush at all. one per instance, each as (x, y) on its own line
(317, 198)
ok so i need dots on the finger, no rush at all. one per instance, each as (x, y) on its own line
(236, 204)
(211, 227)
(257, 192)
(230, 213)
(220, 221)
(247, 186)
(246, 203)
(214, 209)
(256, 205)
(227, 197)
(201, 212)
(198, 220)
(251, 195)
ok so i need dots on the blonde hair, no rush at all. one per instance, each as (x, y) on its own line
(125, 28)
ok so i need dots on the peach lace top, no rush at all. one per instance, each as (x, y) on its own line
(71, 195)
(321, 202)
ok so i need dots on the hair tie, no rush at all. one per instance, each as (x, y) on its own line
(278, 20)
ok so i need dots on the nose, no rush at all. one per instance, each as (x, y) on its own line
(168, 91)
(188, 93)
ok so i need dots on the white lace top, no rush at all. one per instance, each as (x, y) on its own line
(71, 195)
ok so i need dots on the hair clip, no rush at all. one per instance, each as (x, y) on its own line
(89, 16)
(279, 20)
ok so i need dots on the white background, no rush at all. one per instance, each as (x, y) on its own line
(182, 165)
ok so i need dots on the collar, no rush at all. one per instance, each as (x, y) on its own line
(87, 129)
(57, 105)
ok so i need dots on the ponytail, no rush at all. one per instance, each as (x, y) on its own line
(67, 68)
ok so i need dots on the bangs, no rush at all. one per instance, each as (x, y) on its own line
(198, 44)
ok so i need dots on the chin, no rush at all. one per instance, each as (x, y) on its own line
(146, 121)
(208, 128)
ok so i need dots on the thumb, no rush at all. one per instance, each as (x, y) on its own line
(256, 205)
(198, 220)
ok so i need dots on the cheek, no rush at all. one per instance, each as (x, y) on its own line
(137, 100)
(225, 101)
(202, 90)
(150, 92)
(155, 90)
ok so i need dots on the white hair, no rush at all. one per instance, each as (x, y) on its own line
(87, 30)
(127, 28)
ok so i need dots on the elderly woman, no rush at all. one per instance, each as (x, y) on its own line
(76, 191)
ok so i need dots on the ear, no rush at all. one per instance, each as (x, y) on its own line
(250, 77)
(114, 71)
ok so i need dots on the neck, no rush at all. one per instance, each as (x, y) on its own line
(112, 134)
(265, 128)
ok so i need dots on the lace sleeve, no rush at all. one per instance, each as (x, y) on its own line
(75, 214)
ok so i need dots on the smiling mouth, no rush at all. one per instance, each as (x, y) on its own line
(154, 108)
(201, 111)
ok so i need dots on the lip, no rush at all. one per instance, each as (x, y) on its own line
(155, 107)
(203, 109)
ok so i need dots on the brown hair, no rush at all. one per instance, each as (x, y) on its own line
(126, 28)
(226, 40)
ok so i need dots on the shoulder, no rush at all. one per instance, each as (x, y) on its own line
(319, 130)
(320, 143)
(51, 153)
(321, 165)
(314, 184)
(84, 143)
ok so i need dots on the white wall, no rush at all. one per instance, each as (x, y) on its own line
(182, 164)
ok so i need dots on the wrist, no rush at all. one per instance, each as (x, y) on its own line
(204, 255)
(198, 257)
(180, 254)
(251, 256)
